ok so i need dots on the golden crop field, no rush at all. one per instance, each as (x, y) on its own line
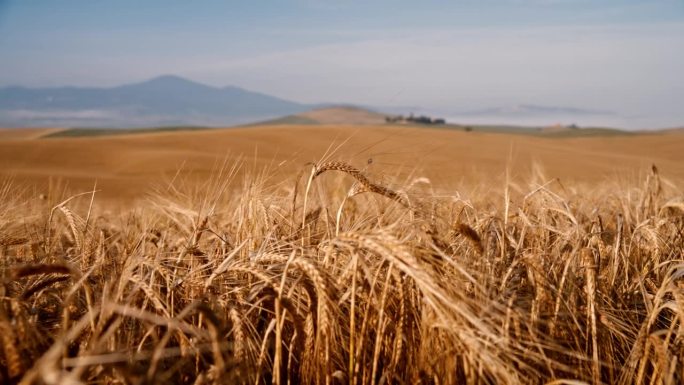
(364, 254)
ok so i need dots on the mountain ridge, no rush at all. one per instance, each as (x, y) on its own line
(536, 109)
(163, 100)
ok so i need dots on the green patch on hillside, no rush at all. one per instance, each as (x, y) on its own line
(535, 131)
(285, 120)
(589, 131)
(89, 132)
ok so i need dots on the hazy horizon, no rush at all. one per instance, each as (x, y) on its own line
(620, 56)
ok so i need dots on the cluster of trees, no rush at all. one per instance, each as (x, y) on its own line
(414, 119)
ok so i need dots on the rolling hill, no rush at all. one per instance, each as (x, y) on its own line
(344, 115)
(126, 166)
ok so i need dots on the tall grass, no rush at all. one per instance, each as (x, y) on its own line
(336, 278)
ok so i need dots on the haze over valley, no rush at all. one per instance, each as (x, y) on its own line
(170, 100)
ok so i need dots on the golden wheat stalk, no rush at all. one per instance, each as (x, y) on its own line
(23, 271)
(361, 178)
(12, 354)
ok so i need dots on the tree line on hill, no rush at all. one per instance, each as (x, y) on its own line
(421, 119)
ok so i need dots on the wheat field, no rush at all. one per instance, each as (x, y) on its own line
(329, 272)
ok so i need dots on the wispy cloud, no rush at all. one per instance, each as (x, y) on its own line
(622, 68)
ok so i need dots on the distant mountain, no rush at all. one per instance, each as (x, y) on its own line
(530, 109)
(536, 115)
(162, 101)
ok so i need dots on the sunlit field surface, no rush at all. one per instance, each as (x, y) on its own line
(346, 254)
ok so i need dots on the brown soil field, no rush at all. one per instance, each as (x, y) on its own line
(127, 166)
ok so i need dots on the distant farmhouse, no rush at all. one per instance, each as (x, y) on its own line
(413, 119)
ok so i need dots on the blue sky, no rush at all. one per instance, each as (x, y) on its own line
(623, 56)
